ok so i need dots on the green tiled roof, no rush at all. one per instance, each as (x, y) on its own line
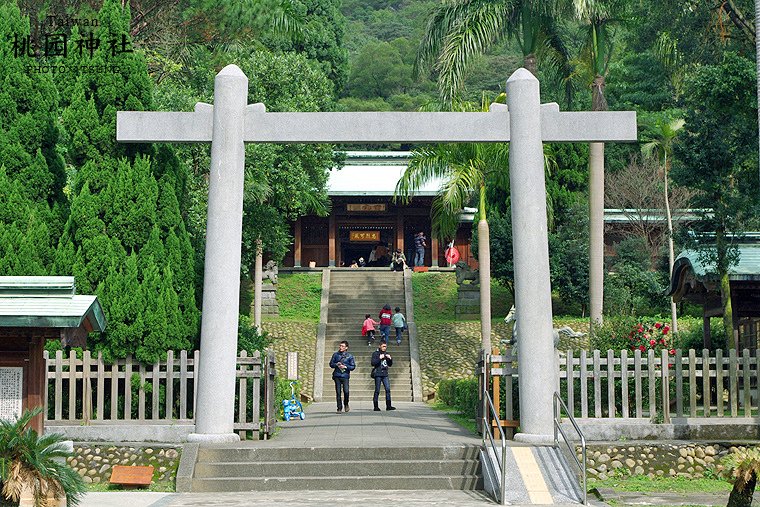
(47, 301)
(747, 268)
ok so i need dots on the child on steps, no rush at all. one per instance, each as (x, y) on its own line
(368, 329)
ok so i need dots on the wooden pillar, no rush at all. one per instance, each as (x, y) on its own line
(35, 376)
(434, 251)
(331, 242)
(400, 231)
(706, 331)
(297, 243)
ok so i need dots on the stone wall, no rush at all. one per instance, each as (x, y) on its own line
(298, 337)
(94, 461)
(684, 459)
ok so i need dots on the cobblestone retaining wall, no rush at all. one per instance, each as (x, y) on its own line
(690, 460)
(298, 337)
(94, 461)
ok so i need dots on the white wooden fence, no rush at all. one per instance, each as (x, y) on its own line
(629, 384)
(88, 391)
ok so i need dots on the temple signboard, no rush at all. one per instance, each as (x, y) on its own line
(11, 392)
(376, 207)
(364, 236)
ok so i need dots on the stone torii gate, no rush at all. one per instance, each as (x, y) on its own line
(231, 122)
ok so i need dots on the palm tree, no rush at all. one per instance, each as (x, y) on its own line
(465, 170)
(599, 18)
(661, 148)
(459, 30)
(28, 462)
(742, 467)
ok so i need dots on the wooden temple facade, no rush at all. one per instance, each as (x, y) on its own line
(364, 216)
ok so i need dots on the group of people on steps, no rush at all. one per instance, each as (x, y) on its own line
(343, 363)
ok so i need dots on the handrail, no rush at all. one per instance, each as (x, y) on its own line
(491, 410)
(559, 431)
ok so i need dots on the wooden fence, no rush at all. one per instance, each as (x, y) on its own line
(89, 391)
(629, 384)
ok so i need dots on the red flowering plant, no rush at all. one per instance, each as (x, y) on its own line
(655, 337)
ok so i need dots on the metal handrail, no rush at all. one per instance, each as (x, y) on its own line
(489, 409)
(559, 431)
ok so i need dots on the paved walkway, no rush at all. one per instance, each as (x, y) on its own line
(411, 425)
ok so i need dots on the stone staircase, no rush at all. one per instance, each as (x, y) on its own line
(354, 293)
(345, 468)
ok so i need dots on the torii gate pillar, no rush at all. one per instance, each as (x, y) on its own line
(215, 406)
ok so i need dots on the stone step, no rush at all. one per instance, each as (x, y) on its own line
(341, 483)
(231, 453)
(377, 467)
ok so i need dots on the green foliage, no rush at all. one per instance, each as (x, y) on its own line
(378, 71)
(435, 296)
(299, 296)
(569, 258)
(249, 338)
(125, 238)
(32, 172)
(461, 394)
(37, 462)
(631, 287)
(742, 468)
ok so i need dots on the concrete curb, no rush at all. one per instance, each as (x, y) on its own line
(186, 467)
(319, 359)
(414, 350)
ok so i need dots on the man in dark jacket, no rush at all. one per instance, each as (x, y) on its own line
(343, 364)
(381, 361)
(419, 248)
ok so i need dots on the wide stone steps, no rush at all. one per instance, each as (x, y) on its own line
(366, 468)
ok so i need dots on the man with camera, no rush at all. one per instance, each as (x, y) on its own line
(381, 361)
(343, 364)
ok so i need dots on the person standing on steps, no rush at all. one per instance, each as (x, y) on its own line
(368, 328)
(419, 247)
(399, 322)
(381, 361)
(343, 364)
(385, 323)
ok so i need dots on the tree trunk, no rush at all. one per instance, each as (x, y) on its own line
(484, 271)
(530, 62)
(757, 59)
(671, 252)
(596, 213)
(742, 498)
(257, 287)
(728, 314)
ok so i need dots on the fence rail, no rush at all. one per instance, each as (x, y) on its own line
(89, 391)
(629, 384)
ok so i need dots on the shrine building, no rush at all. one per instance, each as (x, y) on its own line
(363, 216)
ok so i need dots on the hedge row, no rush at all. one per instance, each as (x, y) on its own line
(461, 394)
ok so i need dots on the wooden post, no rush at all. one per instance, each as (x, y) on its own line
(400, 231)
(434, 251)
(706, 331)
(331, 241)
(36, 376)
(496, 392)
(297, 243)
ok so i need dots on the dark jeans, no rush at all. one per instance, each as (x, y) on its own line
(341, 383)
(386, 332)
(399, 333)
(387, 385)
(419, 259)
(370, 336)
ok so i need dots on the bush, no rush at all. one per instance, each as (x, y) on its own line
(249, 338)
(460, 394)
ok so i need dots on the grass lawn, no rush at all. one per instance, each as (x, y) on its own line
(299, 296)
(664, 484)
(456, 416)
(435, 297)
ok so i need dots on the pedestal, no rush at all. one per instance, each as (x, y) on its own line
(468, 302)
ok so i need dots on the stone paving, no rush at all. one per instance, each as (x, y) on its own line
(412, 424)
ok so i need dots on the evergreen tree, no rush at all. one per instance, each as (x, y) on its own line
(32, 174)
(125, 207)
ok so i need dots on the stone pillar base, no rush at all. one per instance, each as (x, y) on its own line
(532, 439)
(468, 302)
(213, 438)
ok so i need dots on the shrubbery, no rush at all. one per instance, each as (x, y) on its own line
(461, 394)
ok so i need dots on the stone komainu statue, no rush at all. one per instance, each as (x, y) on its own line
(465, 272)
(564, 330)
(270, 272)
